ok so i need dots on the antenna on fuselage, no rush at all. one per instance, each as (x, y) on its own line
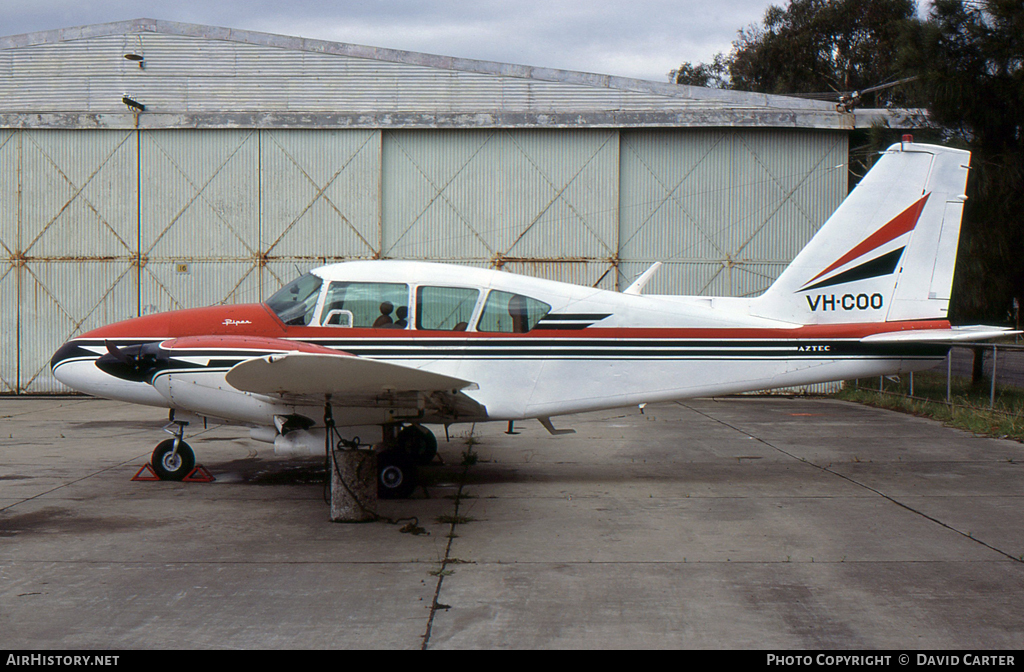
(641, 282)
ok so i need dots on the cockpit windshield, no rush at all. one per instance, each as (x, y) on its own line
(295, 303)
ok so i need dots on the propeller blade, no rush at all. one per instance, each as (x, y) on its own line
(116, 353)
(136, 363)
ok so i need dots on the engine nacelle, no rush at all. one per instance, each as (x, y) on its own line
(300, 442)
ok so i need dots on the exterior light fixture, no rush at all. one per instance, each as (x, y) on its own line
(136, 58)
(133, 104)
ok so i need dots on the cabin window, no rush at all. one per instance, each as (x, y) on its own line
(445, 308)
(511, 313)
(295, 303)
(380, 305)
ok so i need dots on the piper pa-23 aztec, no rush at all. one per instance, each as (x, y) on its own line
(381, 348)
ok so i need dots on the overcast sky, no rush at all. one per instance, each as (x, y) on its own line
(636, 38)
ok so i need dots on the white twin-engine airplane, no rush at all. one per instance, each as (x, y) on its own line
(360, 346)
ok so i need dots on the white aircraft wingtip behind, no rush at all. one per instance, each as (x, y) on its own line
(951, 335)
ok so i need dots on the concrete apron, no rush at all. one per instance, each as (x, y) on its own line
(773, 523)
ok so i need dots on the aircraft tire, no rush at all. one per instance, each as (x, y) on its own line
(174, 468)
(396, 475)
(419, 443)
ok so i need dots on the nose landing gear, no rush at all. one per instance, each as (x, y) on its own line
(173, 459)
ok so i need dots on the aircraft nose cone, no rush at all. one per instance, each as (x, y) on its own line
(63, 353)
(72, 365)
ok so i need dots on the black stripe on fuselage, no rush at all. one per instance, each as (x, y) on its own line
(569, 321)
(566, 349)
(574, 317)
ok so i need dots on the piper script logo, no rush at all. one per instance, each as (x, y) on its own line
(229, 322)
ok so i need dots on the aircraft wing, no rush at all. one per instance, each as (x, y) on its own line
(305, 373)
(951, 335)
(307, 377)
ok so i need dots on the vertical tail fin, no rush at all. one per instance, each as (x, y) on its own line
(888, 252)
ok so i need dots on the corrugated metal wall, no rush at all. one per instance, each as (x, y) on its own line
(724, 211)
(75, 239)
(543, 202)
(102, 225)
(205, 74)
(200, 227)
(10, 206)
(320, 199)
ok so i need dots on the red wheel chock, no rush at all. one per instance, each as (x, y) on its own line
(149, 476)
(198, 475)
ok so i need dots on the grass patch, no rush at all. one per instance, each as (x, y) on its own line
(968, 408)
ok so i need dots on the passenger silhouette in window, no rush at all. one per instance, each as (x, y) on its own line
(517, 310)
(385, 315)
(401, 313)
(508, 313)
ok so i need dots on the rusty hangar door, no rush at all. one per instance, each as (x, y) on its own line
(103, 225)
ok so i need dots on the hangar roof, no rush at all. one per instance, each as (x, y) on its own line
(193, 76)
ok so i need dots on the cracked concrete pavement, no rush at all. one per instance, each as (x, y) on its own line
(751, 522)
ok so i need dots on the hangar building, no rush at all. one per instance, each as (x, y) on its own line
(149, 165)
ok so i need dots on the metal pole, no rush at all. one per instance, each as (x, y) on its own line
(949, 374)
(881, 381)
(992, 396)
(911, 383)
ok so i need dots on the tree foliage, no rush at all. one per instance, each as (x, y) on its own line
(821, 45)
(811, 46)
(970, 59)
(713, 75)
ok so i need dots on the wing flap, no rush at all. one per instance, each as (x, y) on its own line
(304, 373)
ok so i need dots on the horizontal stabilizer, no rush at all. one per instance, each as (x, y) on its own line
(301, 373)
(976, 332)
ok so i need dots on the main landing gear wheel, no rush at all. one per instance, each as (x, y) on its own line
(419, 443)
(170, 465)
(396, 475)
